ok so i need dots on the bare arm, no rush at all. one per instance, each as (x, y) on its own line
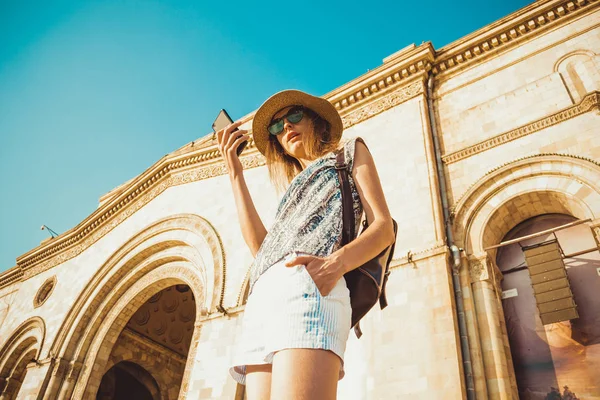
(381, 230)
(253, 229)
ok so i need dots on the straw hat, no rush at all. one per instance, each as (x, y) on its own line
(287, 98)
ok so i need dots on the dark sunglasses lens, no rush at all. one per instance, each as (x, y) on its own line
(276, 127)
(295, 117)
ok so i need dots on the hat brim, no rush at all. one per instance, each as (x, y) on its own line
(287, 98)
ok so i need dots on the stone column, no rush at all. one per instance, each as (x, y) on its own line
(60, 366)
(70, 379)
(11, 385)
(34, 381)
(484, 276)
(215, 341)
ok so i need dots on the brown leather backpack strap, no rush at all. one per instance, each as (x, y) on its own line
(357, 330)
(347, 209)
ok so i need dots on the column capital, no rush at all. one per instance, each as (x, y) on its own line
(483, 268)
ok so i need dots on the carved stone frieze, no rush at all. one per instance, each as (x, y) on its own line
(383, 104)
(469, 51)
(14, 274)
(588, 103)
(396, 75)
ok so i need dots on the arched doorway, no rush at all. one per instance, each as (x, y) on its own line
(126, 381)
(155, 340)
(177, 251)
(22, 348)
(561, 356)
(483, 216)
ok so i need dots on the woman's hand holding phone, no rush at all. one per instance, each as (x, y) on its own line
(229, 139)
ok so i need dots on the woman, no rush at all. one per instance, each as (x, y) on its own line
(297, 318)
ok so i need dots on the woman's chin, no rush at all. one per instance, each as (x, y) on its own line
(296, 149)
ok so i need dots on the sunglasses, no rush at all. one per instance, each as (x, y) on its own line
(294, 115)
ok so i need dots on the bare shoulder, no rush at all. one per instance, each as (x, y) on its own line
(362, 155)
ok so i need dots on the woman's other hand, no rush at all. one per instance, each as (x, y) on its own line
(324, 271)
(229, 139)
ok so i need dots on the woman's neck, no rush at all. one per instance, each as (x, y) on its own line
(304, 162)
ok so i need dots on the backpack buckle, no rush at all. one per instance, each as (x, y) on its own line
(339, 165)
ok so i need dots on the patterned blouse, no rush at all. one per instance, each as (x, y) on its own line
(309, 216)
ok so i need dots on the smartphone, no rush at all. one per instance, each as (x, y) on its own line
(222, 120)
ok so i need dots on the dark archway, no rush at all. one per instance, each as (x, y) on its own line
(127, 381)
(549, 357)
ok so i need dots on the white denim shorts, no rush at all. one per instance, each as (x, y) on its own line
(286, 311)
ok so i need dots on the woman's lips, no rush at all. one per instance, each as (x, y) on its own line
(292, 136)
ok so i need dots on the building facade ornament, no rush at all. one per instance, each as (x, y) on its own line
(383, 104)
(589, 103)
(506, 34)
(481, 268)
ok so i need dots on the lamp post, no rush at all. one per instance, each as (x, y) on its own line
(50, 231)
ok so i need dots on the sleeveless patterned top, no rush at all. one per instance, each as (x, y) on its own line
(309, 216)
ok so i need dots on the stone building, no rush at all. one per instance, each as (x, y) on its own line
(495, 136)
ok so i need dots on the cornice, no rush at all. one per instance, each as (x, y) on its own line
(589, 103)
(508, 32)
(399, 72)
(11, 276)
(167, 173)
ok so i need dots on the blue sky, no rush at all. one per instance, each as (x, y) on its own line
(94, 92)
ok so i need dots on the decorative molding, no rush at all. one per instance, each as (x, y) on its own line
(513, 164)
(507, 33)
(410, 258)
(11, 276)
(383, 104)
(479, 268)
(589, 103)
(130, 202)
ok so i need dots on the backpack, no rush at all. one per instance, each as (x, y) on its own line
(367, 282)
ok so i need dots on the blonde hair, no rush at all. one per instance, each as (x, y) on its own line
(282, 166)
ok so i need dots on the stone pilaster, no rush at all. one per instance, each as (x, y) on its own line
(60, 367)
(10, 386)
(71, 376)
(485, 284)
